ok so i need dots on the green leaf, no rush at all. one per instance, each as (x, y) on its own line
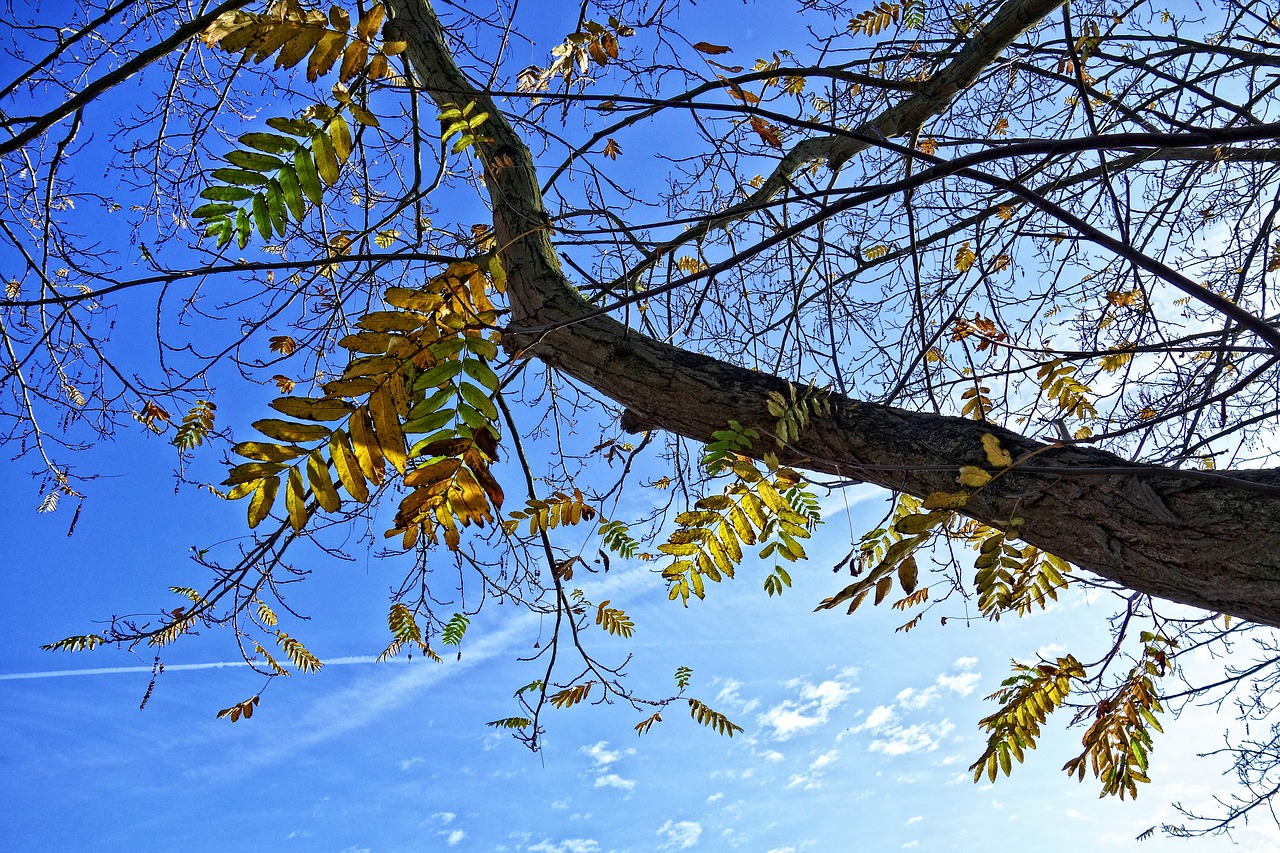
(427, 424)
(254, 161)
(261, 217)
(224, 193)
(292, 126)
(454, 629)
(243, 225)
(340, 133)
(482, 373)
(479, 400)
(308, 177)
(272, 143)
(275, 207)
(292, 193)
(438, 375)
(239, 177)
(208, 211)
(326, 158)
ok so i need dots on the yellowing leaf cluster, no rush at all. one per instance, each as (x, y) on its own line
(421, 368)
(291, 33)
(877, 19)
(1027, 698)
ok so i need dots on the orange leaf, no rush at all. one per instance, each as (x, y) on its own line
(767, 132)
(283, 344)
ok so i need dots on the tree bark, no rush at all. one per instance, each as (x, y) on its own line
(1208, 540)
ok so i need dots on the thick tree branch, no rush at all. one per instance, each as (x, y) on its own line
(1210, 543)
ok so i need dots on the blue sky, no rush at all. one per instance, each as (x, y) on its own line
(853, 733)
(855, 736)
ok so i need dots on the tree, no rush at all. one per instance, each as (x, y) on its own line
(1012, 262)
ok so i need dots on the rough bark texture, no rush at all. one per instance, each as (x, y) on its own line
(1209, 541)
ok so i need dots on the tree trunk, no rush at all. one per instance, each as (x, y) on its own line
(1208, 540)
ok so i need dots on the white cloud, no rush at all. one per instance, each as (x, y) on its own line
(812, 780)
(410, 763)
(812, 709)
(613, 780)
(964, 683)
(444, 817)
(680, 834)
(965, 663)
(772, 755)
(782, 850)
(823, 760)
(878, 718)
(456, 837)
(730, 696)
(568, 845)
(602, 755)
(915, 819)
(901, 740)
(719, 795)
(915, 700)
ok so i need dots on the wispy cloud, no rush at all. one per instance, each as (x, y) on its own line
(602, 755)
(680, 834)
(173, 667)
(812, 779)
(901, 740)
(613, 780)
(730, 696)
(811, 708)
(567, 845)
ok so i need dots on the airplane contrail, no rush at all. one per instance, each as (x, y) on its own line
(172, 667)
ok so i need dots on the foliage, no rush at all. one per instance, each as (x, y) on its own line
(891, 255)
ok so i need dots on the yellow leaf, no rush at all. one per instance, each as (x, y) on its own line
(263, 497)
(347, 466)
(371, 22)
(387, 424)
(340, 133)
(996, 455)
(908, 575)
(365, 444)
(973, 476)
(441, 469)
(965, 257)
(321, 483)
(312, 408)
(283, 344)
(946, 500)
(1112, 363)
(883, 587)
(295, 499)
(290, 431)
